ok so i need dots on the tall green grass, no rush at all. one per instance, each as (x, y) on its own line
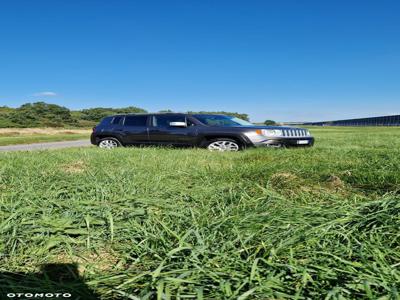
(154, 223)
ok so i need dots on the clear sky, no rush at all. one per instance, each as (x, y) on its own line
(283, 60)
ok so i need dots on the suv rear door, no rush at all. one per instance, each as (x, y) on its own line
(161, 132)
(135, 129)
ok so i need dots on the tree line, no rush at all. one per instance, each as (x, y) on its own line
(41, 114)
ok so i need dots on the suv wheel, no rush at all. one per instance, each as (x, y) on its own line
(109, 143)
(223, 144)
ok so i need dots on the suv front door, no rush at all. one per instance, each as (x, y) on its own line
(161, 132)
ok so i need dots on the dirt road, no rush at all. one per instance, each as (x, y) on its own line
(42, 146)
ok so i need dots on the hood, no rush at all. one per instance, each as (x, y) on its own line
(269, 127)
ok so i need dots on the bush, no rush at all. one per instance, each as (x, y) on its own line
(232, 114)
(5, 117)
(41, 114)
(269, 122)
(97, 113)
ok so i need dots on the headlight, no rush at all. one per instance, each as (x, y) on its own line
(271, 132)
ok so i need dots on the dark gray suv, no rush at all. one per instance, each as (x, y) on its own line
(214, 132)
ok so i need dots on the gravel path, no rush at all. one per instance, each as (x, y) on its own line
(42, 146)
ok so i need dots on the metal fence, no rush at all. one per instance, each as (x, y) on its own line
(374, 121)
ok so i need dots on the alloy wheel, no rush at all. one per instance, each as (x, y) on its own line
(108, 144)
(223, 146)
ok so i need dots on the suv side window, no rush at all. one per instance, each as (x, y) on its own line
(164, 120)
(116, 120)
(139, 121)
(190, 122)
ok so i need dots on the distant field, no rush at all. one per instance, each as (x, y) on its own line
(314, 223)
(14, 136)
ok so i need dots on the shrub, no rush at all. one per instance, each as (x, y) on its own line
(232, 114)
(269, 122)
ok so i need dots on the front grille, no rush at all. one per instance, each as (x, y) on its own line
(295, 133)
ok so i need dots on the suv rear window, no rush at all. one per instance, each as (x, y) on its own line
(135, 121)
(105, 121)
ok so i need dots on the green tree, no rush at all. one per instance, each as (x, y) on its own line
(5, 120)
(232, 114)
(269, 122)
(97, 113)
(41, 114)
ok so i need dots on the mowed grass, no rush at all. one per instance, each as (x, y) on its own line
(159, 223)
(14, 136)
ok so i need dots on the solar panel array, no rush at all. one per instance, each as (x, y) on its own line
(374, 121)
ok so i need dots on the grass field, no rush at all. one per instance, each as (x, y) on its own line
(318, 223)
(14, 136)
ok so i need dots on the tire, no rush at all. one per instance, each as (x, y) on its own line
(222, 145)
(109, 143)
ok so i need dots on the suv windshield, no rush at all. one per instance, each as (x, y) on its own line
(221, 120)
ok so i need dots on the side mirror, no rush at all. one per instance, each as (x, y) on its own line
(177, 124)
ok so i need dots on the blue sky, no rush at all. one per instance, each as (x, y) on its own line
(282, 60)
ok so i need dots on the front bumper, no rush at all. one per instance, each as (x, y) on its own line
(285, 142)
